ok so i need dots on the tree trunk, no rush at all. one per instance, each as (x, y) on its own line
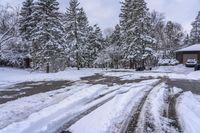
(77, 61)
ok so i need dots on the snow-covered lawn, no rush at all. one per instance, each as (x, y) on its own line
(172, 72)
(10, 76)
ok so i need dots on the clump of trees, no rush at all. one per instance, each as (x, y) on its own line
(55, 40)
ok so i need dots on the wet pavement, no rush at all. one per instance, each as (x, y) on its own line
(110, 80)
(185, 85)
(30, 88)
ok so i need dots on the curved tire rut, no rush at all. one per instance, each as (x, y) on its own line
(131, 124)
(171, 113)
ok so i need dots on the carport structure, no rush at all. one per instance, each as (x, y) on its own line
(191, 52)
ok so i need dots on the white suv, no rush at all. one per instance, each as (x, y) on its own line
(191, 63)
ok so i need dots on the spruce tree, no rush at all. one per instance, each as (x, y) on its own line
(47, 36)
(195, 32)
(95, 44)
(99, 42)
(115, 42)
(25, 20)
(25, 26)
(83, 33)
(88, 53)
(135, 23)
(75, 22)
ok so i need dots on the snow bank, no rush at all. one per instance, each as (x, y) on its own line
(188, 108)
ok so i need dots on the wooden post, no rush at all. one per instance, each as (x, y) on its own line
(47, 70)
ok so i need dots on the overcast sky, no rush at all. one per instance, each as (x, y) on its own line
(106, 12)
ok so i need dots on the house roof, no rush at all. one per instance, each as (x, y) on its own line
(195, 48)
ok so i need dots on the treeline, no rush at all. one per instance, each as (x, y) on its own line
(56, 40)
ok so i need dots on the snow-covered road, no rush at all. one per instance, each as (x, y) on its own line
(74, 103)
(103, 102)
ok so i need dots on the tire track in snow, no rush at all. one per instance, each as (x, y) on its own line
(74, 120)
(167, 120)
(132, 123)
(75, 109)
(35, 103)
(121, 90)
(112, 94)
(171, 113)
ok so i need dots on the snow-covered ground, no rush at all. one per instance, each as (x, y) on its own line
(99, 108)
(63, 111)
(109, 117)
(10, 76)
(172, 72)
(188, 110)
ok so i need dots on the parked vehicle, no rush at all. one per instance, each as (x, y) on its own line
(191, 63)
(197, 67)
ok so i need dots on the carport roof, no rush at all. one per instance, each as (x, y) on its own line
(195, 48)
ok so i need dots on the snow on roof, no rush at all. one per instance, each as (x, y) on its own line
(195, 47)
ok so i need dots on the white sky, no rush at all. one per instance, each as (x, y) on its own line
(106, 12)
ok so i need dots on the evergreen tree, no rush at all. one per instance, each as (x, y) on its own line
(97, 44)
(135, 23)
(25, 25)
(47, 36)
(195, 32)
(88, 53)
(115, 48)
(77, 28)
(25, 21)
(83, 33)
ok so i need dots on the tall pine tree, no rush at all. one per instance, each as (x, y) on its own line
(135, 23)
(97, 43)
(195, 32)
(77, 27)
(47, 36)
(115, 51)
(25, 26)
(25, 21)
